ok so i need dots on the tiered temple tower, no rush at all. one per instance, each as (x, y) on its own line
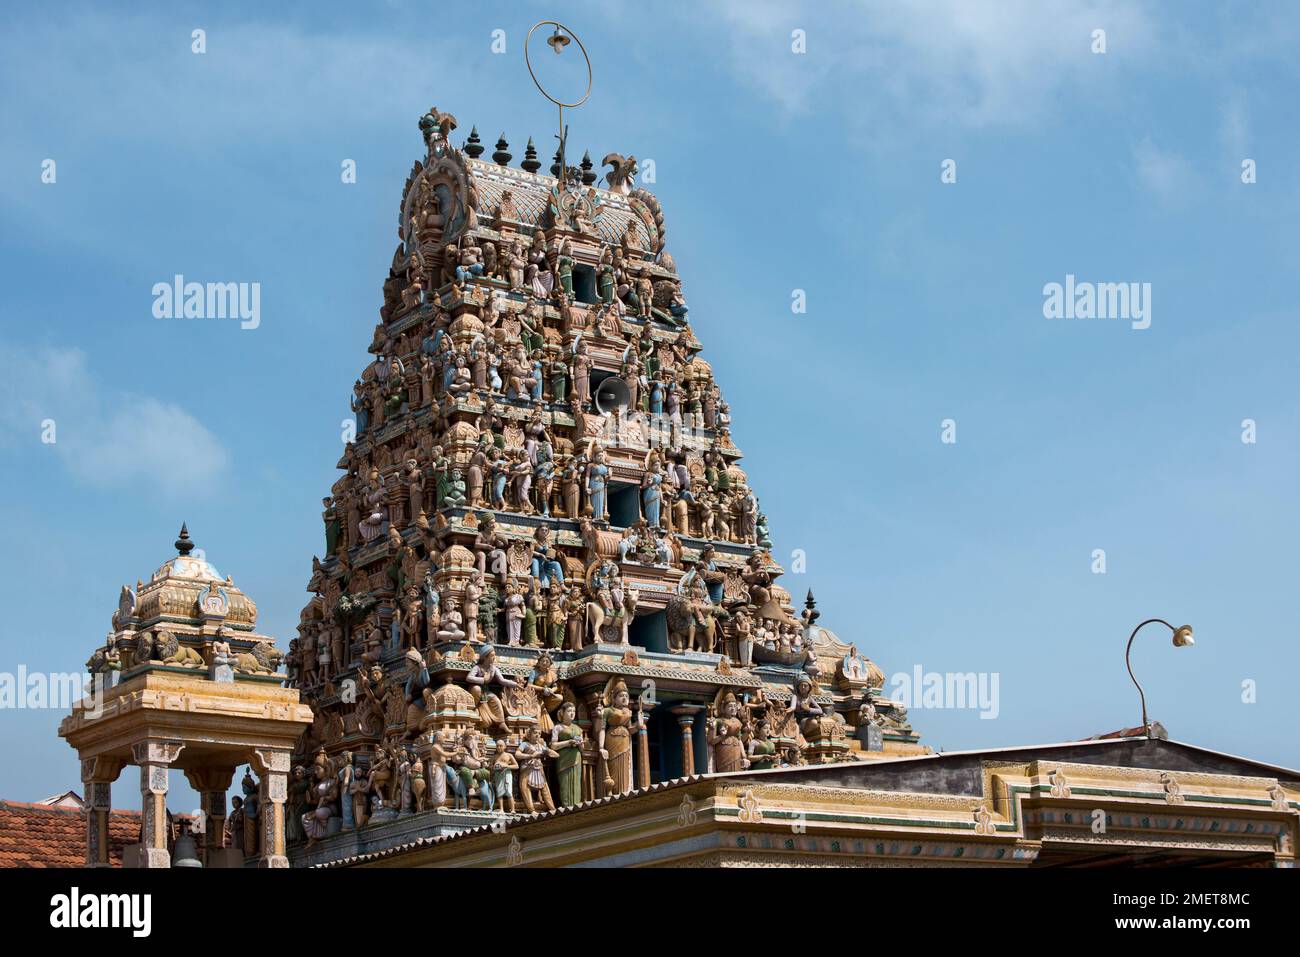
(542, 530)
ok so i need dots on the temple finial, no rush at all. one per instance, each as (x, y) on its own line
(473, 145)
(530, 162)
(183, 544)
(502, 155)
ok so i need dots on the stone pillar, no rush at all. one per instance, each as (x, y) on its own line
(97, 777)
(595, 703)
(212, 785)
(643, 750)
(154, 759)
(272, 769)
(686, 718)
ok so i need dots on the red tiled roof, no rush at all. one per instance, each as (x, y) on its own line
(38, 835)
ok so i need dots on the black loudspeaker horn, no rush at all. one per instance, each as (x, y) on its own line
(612, 395)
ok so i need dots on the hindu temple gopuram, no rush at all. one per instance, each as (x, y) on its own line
(546, 578)
(545, 624)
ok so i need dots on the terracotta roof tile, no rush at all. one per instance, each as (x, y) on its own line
(38, 835)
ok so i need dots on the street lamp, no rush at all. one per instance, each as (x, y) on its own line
(1182, 639)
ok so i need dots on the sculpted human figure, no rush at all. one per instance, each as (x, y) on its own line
(564, 267)
(616, 725)
(357, 789)
(605, 278)
(597, 486)
(538, 274)
(504, 767)
(530, 327)
(721, 519)
(490, 547)
(701, 625)
(705, 505)
(478, 471)
(544, 479)
(532, 781)
(499, 465)
(566, 742)
(411, 611)
(556, 616)
(517, 265)
(296, 805)
(630, 373)
(759, 580)
(762, 749)
(440, 752)
(469, 260)
(573, 629)
(381, 776)
(545, 567)
(545, 683)
(744, 627)
(802, 705)
(521, 483)
(451, 629)
(484, 676)
(471, 772)
(852, 665)
(652, 492)
(515, 607)
(473, 594)
(570, 481)
(723, 736)
(645, 296)
(462, 380)
(581, 365)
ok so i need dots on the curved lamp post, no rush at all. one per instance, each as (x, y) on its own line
(1182, 638)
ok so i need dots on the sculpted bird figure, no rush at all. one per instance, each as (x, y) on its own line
(620, 178)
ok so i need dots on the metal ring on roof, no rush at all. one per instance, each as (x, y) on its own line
(533, 74)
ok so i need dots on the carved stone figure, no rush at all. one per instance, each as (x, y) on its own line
(616, 725)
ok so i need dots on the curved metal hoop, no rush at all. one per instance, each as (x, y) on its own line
(538, 83)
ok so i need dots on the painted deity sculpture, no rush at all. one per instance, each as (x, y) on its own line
(504, 768)
(618, 723)
(484, 676)
(532, 753)
(723, 736)
(566, 742)
(598, 485)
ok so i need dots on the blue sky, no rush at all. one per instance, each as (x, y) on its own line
(778, 171)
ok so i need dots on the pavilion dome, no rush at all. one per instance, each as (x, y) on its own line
(186, 588)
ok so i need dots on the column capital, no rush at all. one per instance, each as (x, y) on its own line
(686, 714)
(270, 761)
(100, 770)
(153, 751)
(210, 778)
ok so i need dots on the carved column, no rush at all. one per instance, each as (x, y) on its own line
(272, 768)
(154, 759)
(686, 718)
(212, 785)
(97, 777)
(596, 779)
(643, 749)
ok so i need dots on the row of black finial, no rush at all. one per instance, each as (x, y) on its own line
(474, 147)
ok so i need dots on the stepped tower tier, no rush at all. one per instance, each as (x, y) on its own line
(544, 508)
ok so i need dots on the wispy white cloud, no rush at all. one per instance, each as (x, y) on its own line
(1234, 127)
(1167, 175)
(104, 436)
(941, 62)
